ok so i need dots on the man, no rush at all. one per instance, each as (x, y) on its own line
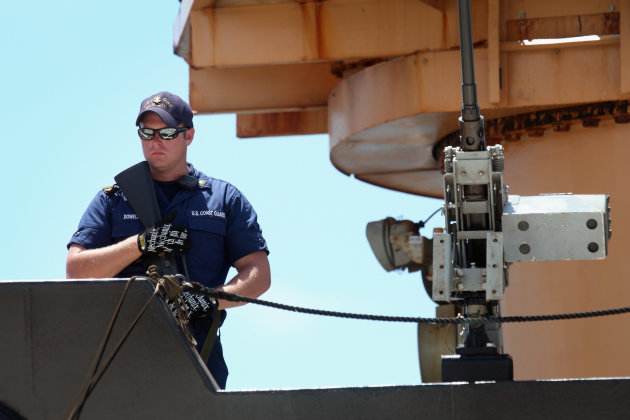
(217, 226)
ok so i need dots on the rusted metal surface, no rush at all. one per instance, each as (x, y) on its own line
(396, 92)
(282, 123)
(289, 32)
(563, 27)
(383, 115)
(534, 9)
(438, 4)
(584, 160)
(624, 45)
(287, 87)
(534, 124)
(372, 118)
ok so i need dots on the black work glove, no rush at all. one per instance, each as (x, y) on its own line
(198, 305)
(164, 238)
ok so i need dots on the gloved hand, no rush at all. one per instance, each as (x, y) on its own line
(199, 306)
(164, 237)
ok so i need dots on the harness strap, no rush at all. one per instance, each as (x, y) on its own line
(211, 338)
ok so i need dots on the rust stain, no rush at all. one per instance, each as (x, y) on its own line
(312, 30)
(536, 132)
(534, 124)
(512, 137)
(622, 118)
(319, 30)
(564, 26)
(281, 123)
(526, 29)
(610, 23)
(342, 69)
(561, 126)
(444, 30)
(590, 122)
(319, 27)
(276, 123)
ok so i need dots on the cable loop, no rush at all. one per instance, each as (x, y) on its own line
(171, 287)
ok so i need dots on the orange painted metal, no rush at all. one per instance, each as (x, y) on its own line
(282, 123)
(624, 45)
(387, 74)
(582, 161)
(384, 118)
(288, 87)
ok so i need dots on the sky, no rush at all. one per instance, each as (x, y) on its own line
(73, 75)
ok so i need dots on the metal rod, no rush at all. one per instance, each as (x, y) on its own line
(472, 135)
(469, 87)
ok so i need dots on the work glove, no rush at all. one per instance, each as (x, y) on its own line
(198, 305)
(164, 238)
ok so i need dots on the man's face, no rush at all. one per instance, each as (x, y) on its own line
(166, 158)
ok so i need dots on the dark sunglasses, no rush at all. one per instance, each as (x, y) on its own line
(165, 133)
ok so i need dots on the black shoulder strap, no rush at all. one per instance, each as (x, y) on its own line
(137, 185)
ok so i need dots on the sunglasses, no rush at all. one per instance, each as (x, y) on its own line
(165, 133)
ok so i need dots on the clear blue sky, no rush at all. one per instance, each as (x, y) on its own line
(73, 75)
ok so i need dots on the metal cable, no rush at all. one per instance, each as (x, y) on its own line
(421, 223)
(198, 288)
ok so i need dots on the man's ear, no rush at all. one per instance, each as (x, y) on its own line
(190, 134)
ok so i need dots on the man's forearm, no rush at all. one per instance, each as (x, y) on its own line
(101, 262)
(253, 279)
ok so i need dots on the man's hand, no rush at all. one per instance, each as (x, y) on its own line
(164, 238)
(198, 305)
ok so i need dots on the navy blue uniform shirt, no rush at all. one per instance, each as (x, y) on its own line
(223, 228)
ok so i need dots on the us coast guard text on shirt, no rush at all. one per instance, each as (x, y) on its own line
(213, 213)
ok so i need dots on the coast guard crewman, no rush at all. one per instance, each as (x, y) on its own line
(217, 226)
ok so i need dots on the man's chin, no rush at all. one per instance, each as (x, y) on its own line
(156, 160)
(157, 165)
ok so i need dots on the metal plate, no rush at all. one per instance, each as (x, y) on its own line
(555, 227)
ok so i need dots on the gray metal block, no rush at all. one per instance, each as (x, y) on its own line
(555, 227)
(51, 331)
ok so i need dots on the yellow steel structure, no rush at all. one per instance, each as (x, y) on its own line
(383, 77)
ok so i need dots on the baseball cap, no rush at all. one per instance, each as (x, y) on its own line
(171, 108)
